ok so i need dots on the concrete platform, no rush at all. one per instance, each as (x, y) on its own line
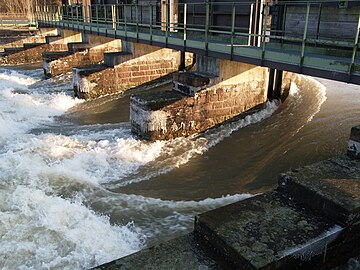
(265, 232)
(330, 187)
(74, 47)
(112, 59)
(13, 50)
(180, 253)
(32, 45)
(354, 143)
(189, 83)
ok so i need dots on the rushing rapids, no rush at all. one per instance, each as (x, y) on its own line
(78, 189)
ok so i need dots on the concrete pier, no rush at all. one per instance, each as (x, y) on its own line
(88, 52)
(217, 91)
(354, 143)
(311, 221)
(32, 52)
(136, 65)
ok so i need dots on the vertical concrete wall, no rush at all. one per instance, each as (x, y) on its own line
(238, 88)
(144, 63)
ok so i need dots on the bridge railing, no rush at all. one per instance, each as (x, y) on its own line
(299, 27)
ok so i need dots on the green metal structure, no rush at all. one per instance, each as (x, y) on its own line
(318, 38)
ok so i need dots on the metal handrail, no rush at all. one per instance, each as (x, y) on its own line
(196, 24)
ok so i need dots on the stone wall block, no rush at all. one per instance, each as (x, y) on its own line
(354, 143)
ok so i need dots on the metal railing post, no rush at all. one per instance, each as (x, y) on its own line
(233, 14)
(185, 21)
(166, 24)
(137, 21)
(318, 23)
(151, 23)
(125, 21)
(207, 21)
(304, 36)
(97, 17)
(113, 13)
(264, 29)
(355, 48)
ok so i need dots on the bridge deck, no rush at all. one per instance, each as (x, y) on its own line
(336, 59)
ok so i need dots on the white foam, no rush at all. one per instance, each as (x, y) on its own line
(26, 109)
(164, 218)
(40, 231)
(318, 97)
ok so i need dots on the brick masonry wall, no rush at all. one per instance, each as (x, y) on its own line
(29, 56)
(148, 63)
(125, 76)
(174, 115)
(90, 56)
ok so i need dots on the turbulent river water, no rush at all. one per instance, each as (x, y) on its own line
(78, 189)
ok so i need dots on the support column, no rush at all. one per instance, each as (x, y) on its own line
(86, 4)
(278, 84)
(217, 91)
(271, 83)
(136, 65)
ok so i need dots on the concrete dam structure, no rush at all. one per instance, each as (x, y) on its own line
(225, 61)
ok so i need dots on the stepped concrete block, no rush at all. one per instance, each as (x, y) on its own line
(51, 56)
(50, 39)
(267, 231)
(14, 50)
(179, 253)
(81, 84)
(48, 57)
(74, 47)
(32, 45)
(330, 187)
(112, 59)
(189, 83)
(354, 143)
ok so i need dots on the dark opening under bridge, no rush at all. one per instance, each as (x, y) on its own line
(318, 38)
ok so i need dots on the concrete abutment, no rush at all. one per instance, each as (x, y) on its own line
(135, 65)
(217, 91)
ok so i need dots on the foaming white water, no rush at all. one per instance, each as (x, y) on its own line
(42, 221)
(180, 150)
(24, 108)
(318, 95)
(40, 231)
(167, 217)
(39, 228)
